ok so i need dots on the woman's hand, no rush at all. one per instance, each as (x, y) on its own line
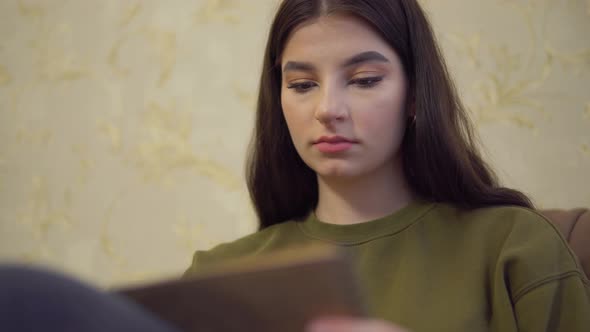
(345, 324)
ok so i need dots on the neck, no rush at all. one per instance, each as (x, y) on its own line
(361, 199)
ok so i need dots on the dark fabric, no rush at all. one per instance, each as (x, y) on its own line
(37, 300)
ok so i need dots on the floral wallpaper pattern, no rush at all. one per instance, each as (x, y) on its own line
(124, 124)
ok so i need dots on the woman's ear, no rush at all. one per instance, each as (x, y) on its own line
(411, 109)
(410, 105)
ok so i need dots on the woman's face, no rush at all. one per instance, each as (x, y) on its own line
(343, 97)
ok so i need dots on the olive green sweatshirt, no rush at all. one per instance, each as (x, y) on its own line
(434, 267)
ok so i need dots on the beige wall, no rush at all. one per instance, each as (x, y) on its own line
(123, 124)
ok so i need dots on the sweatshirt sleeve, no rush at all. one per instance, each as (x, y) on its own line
(548, 290)
(194, 267)
(561, 303)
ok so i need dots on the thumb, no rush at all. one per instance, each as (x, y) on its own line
(345, 324)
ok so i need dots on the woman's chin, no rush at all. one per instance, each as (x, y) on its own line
(336, 172)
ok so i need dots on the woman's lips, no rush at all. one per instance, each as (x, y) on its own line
(333, 147)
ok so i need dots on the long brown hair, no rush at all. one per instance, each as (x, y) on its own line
(440, 156)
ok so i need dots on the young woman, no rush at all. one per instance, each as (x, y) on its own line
(361, 141)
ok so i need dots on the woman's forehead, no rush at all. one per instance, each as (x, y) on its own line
(334, 38)
(333, 34)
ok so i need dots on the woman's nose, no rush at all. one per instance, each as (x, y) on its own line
(331, 106)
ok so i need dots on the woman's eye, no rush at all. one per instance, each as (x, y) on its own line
(366, 82)
(301, 87)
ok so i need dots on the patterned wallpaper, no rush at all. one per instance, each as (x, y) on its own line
(123, 124)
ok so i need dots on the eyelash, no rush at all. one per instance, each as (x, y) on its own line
(363, 83)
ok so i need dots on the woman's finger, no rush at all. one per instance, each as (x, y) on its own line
(343, 324)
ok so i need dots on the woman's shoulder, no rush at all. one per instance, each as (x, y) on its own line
(502, 219)
(509, 232)
(251, 244)
(529, 248)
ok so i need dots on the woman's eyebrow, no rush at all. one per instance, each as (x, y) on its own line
(369, 56)
(298, 66)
